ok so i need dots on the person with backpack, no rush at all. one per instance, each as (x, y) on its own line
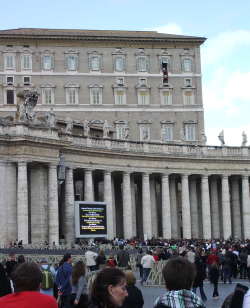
(63, 281)
(48, 277)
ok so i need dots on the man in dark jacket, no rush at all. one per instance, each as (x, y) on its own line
(123, 257)
(63, 282)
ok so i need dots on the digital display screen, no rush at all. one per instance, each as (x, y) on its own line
(92, 219)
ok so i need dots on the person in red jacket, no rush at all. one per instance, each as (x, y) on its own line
(27, 279)
(212, 258)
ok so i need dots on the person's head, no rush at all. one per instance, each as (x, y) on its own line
(101, 252)
(130, 278)
(20, 259)
(179, 274)
(12, 256)
(109, 287)
(66, 258)
(27, 277)
(78, 271)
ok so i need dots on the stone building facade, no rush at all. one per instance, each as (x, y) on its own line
(156, 186)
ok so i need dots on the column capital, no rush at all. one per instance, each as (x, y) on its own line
(22, 163)
(52, 165)
(204, 176)
(245, 176)
(107, 171)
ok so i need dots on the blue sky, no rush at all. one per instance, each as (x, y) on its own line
(225, 54)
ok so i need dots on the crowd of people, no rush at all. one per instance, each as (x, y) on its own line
(106, 280)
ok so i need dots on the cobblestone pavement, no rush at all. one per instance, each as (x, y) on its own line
(151, 293)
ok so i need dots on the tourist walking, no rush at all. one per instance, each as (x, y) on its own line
(123, 257)
(63, 281)
(147, 263)
(134, 298)
(214, 275)
(90, 257)
(79, 297)
(5, 285)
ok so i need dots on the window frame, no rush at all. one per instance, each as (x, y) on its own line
(170, 100)
(13, 67)
(75, 57)
(170, 133)
(68, 95)
(139, 97)
(23, 57)
(92, 95)
(51, 63)
(52, 96)
(188, 134)
(188, 100)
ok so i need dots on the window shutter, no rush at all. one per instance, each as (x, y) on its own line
(10, 97)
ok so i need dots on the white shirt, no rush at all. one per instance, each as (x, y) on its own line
(147, 261)
(246, 301)
(90, 258)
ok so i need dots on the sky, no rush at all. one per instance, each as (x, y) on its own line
(225, 54)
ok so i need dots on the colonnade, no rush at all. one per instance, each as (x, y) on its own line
(168, 205)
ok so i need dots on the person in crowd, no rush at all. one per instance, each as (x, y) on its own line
(101, 260)
(227, 266)
(27, 278)
(111, 262)
(240, 298)
(48, 277)
(10, 264)
(200, 275)
(243, 263)
(248, 265)
(63, 281)
(147, 263)
(79, 296)
(179, 275)
(123, 257)
(20, 259)
(138, 262)
(109, 289)
(134, 298)
(5, 285)
(90, 257)
(214, 275)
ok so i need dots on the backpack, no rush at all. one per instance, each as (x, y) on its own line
(47, 279)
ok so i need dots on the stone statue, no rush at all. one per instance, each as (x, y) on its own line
(51, 118)
(244, 139)
(25, 109)
(105, 129)
(126, 134)
(145, 133)
(203, 138)
(86, 128)
(221, 138)
(69, 126)
(61, 169)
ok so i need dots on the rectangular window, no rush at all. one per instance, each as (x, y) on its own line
(142, 64)
(120, 81)
(96, 96)
(47, 96)
(188, 97)
(144, 133)
(9, 62)
(121, 131)
(47, 62)
(72, 96)
(166, 97)
(120, 97)
(71, 62)
(10, 97)
(190, 132)
(119, 64)
(26, 80)
(26, 62)
(95, 64)
(167, 132)
(188, 82)
(187, 65)
(142, 82)
(143, 98)
(10, 80)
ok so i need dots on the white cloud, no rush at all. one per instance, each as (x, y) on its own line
(170, 28)
(224, 44)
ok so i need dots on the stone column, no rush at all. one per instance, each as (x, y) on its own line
(132, 181)
(88, 186)
(226, 211)
(3, 208)
(69, 207)
(166, 208)
(127, 206)
(186, 217)
(146, 206)
(109, 204)
(245, 207)
(194, 209)
(22, 203)
(205, 201)
(53, 205)
(215, 215)
(11, 204)
(174, 212)
(236, 217)
(154, 215)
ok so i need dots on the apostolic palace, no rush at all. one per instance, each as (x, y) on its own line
(112, 116)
